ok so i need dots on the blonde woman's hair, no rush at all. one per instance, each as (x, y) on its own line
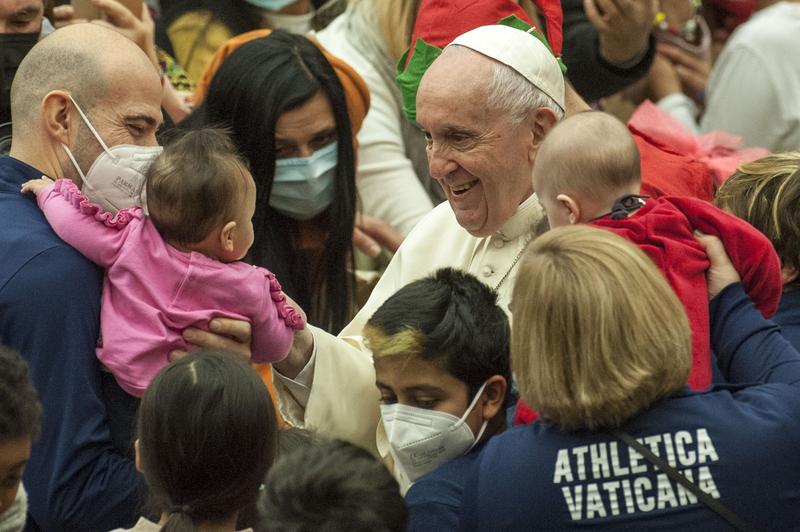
(766, 194)
(395, 21)
(598, 335)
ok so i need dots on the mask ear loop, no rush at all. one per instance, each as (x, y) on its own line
(89, 125)
(468, 412)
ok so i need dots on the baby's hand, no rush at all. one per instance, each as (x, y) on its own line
(36, 185)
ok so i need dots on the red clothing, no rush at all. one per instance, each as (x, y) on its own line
(668, 173)
(663, 229)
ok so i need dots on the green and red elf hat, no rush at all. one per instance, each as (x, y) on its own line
(439, 22)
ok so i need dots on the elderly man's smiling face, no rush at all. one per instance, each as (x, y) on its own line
(481, 158)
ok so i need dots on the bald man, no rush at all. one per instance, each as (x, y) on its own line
(78, 477)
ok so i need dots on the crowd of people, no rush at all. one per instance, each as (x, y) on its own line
(394, 265)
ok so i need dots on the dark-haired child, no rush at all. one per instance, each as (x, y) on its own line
(177, 267)
(440, 347)
(207, 436)
(330, 485)
(20, 414)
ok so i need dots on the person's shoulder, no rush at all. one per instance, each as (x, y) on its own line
(443, 485)
(772, 29)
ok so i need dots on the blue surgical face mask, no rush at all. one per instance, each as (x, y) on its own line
(272, 5)
(303, 187)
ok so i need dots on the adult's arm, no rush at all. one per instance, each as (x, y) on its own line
(593, 75)
(335, 394)
(750, 349)
(76, 479)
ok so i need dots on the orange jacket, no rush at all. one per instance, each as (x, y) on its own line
(355, 89)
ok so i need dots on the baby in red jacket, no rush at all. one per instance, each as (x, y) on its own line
(587, 170)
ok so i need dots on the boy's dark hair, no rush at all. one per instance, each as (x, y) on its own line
(331, 486)
(20, 411)
(450, 319)
(197, 184)
(207, 435)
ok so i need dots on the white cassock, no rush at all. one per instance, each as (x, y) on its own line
(335, 394)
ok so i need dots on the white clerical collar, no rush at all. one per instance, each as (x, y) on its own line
(528, 216)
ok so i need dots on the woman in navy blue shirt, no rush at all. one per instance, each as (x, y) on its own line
(605, 348)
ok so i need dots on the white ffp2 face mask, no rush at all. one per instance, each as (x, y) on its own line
(115, 180)
(421, 440)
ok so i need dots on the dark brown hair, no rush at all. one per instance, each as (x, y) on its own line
(207, 435)
(766, 194)
(197, 184)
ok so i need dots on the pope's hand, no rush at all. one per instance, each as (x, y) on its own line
(224, 334)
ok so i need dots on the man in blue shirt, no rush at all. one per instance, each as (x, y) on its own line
(77, 478)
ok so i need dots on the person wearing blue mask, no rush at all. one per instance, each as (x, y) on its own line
(288, 114)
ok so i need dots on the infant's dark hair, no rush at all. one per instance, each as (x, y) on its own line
(20, 410)
(197, 184)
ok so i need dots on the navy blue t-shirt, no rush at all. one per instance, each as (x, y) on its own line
(788, 317)
(741, 444)
(50, 312)
(434, 500)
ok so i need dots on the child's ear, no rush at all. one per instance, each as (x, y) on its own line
(137, 456)
(495, 394)
(226, 236)
(571, 206)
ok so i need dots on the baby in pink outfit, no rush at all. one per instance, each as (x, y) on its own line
(178, 266)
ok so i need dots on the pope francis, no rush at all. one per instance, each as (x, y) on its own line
(485, 105)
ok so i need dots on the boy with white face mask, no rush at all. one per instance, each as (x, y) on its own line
(441, 354)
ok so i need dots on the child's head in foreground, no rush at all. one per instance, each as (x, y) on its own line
(201, 196)
(207, 435)
(584, 165)
(331, 486)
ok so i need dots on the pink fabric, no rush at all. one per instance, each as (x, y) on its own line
(152, 291)
(721, 152)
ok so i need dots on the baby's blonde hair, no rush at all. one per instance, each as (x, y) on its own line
(589, 154)
(598, 334)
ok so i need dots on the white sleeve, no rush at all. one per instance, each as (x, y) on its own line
(388, 186)
(340, 399)
(742, 99)
(682, 109)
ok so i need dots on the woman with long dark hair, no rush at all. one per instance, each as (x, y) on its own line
(287, 112)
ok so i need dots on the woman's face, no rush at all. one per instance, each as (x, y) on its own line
(303, 130)
(422, 384)
(14, 455)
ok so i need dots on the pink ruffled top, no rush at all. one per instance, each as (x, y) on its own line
(153, 291)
